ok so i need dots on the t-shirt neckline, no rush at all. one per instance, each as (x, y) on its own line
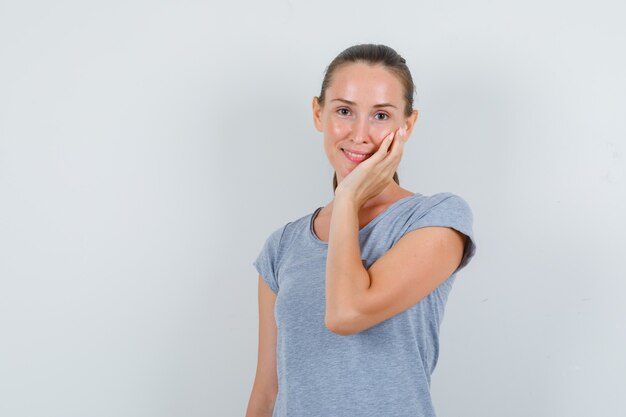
(366, 227)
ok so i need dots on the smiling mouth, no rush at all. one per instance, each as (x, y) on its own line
(356, 157)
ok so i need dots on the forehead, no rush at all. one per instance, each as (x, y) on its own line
(365, 83)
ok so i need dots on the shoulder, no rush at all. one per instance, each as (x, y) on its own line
(445, 209)
(451, 210)
(446, 204)
(453, 203)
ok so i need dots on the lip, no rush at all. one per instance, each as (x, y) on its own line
(357, 152)
(359, 159)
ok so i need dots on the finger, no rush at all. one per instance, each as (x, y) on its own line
(396, 145)
(388, 141)
(401, 139)
(404, 134)
(381, 158)
(383, 149)
(395, 154)
(401, 135)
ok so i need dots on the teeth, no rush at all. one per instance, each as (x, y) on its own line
(356, 155)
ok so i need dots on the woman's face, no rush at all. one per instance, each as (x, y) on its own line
(363, 104)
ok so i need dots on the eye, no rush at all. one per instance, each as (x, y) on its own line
(381, 116)
(343, 111)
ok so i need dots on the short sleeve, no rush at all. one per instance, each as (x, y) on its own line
(450, 210)
(267, 260)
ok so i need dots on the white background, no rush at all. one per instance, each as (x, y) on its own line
(147, 149)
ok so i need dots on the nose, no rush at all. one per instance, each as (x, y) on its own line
(360, 131)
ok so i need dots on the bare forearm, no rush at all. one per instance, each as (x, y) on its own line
(264, 412)
(346, 277)
(260, 407)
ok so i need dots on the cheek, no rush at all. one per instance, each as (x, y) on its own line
(338, 128)
(379, 133)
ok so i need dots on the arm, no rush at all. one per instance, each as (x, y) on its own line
(265, 388)
(347, 281)
(356, 298)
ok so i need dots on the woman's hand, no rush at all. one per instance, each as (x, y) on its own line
(373, 175)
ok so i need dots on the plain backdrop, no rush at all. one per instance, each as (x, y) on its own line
(148, 148)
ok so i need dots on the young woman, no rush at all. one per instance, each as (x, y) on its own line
(351, 296)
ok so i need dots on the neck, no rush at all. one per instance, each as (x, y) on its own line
(390, 194)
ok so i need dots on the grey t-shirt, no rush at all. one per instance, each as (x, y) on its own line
(381, 371)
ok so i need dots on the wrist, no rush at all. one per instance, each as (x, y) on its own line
(346, 202)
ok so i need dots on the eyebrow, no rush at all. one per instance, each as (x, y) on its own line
(353, 103)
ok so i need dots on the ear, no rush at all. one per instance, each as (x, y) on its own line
(317, 113)
(409, 122)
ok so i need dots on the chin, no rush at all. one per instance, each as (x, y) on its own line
(344, 172)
